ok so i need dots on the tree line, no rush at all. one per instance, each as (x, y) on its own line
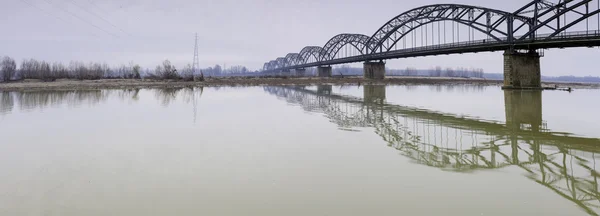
(50, 71)
(10, 70)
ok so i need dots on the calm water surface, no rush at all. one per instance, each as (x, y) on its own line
(315, 150)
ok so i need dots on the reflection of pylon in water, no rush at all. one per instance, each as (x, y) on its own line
(194, 102)
(196, 62)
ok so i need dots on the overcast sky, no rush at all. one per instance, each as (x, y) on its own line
(231, 32)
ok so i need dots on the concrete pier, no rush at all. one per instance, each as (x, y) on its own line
(522, 70)
(324, 71)
(300, 72)
(374, 70)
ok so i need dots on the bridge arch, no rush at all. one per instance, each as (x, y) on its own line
(576, 11)
(359, 41)
(271, 65)
(291, 59)
(280, 62)
(311, 51)
(491, 22)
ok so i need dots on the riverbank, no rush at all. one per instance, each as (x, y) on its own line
(255, 81)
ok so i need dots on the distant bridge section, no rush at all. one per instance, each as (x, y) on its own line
(454, 29)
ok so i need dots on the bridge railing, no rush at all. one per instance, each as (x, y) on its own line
(574, 34)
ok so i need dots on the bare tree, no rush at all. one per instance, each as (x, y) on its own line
(29, 69)
(187, 72)
(166, 70)
(8, 69)
(44, 72)
(59, 70)
(136, 72)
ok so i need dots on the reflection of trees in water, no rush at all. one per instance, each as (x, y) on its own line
(129, 94)
(45, 99)
(167, 96)
(6, 102)
(30, 100)
(561, 162)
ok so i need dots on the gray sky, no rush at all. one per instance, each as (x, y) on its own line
(232, 32)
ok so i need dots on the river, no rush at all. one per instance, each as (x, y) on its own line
(300, 150)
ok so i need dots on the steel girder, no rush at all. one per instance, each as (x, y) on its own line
(358, 41)
(486, 20)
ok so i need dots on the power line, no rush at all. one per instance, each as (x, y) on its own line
(100, 17)
(50, 14)
(83, 20)
(97, 7)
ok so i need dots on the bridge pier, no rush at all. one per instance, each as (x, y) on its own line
(374, 70)
(324, 71)
(522, 70)
(300, 72)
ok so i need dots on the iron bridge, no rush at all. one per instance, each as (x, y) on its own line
(453, 29)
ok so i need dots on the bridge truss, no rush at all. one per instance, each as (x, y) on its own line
(454, 28)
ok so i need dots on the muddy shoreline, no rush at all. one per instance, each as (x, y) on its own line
(254, 81)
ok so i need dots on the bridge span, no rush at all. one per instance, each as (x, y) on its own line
(561, 162)
(454, 29)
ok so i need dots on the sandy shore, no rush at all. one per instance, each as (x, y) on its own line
(245, 81)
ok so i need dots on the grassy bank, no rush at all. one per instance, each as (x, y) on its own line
(70, 84)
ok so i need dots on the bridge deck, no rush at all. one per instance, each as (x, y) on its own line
(565, 40)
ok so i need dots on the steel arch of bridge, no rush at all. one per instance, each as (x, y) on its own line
(500, 27)
(291, 59)
(358, 41)
(315, 51)
(486, 20)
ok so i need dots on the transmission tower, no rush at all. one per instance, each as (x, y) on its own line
(196, 64)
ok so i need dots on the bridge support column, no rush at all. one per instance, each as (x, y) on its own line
(374, 70)
(522, 70)
(300, 72)
(324, 71)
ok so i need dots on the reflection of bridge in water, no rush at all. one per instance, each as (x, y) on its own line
(562, 162)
